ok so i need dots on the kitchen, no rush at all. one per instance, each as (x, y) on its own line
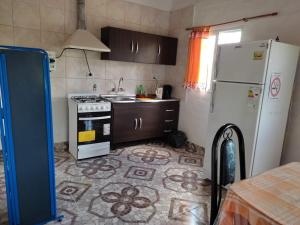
(48, 24)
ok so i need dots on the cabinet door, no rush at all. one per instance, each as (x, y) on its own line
(146, 48)
(150, 121)
(125, 123)
(167, 51)
(120, 42)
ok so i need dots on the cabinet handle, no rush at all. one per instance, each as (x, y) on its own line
(167, 131)
(159, 50)
(132, 46)
(169, 121)
(217, 63)
(170, 110)
(213, 95)
(141, 123)
(137, 48)
(135, 123)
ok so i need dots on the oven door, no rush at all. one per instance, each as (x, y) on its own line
(93, 128)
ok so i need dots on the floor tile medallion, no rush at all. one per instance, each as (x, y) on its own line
(140, 173)
(128, 203)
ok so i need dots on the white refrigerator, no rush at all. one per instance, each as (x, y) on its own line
(252, 89)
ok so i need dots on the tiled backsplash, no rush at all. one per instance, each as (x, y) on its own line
(106, 74)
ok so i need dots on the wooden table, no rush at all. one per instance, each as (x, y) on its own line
(271, 198)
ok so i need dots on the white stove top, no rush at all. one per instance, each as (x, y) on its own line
(90, 103)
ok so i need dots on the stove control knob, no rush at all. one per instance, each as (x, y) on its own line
(97, 107)
(80, 109)
(92, 108)
(101, 108)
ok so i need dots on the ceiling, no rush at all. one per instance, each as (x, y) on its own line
(167, 5)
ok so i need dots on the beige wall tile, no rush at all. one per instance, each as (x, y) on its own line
(52, 41)
(95, 23)
(26, 15)
(6, 12)
(133, 13)
(52, 19)
(71, 5)
(76, 68)
(27, 37)
(97, 68)
(77, 85)
(60, 71)
(162, 20)
(148, 16)
(57, 4)
(58, 87)
(96, 7)
(159, 71)
(100, 85)
(6, 35)
(115, 9)
(70, 21)
(28, 1)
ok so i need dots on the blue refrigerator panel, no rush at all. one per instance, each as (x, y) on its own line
(27, 136)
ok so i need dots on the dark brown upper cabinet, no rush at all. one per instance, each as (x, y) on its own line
(167, 50)
(132, 46)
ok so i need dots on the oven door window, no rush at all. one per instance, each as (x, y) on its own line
(93, 128)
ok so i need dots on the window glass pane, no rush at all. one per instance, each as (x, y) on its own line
(206, 62)
(230, 36)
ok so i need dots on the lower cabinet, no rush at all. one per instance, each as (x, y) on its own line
(139, 121)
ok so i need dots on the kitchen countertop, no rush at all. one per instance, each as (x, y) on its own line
(133, 99)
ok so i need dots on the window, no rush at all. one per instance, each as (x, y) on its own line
(229, 37)
(208, 48)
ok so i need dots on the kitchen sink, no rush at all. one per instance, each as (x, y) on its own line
(124, 99)
(132, 99)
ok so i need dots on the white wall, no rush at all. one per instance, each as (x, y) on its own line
(194, 104)
(286, 25)
(47, 24)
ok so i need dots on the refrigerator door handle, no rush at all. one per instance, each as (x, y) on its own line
(217, 62)
(213, 95)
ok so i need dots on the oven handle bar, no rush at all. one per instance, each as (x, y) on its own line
(94, 118)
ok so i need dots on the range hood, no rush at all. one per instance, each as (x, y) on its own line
(81, 38)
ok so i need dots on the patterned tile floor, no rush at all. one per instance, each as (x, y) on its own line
(144, 184)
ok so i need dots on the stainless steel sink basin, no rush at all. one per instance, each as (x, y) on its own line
(124, 99)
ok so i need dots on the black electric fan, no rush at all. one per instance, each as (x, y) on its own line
(227, 164)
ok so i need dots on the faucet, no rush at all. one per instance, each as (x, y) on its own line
(94, 87)
(121, 80)
(156, 83)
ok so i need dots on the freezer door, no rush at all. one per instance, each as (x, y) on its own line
(238, 104)
(244, 63)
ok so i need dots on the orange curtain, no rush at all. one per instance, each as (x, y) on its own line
(193, 66)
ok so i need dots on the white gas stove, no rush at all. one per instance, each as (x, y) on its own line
(89, 125)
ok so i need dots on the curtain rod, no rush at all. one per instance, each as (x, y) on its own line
(246, 19)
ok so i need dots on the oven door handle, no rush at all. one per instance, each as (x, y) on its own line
(94, 118)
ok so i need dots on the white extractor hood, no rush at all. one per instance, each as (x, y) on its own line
(81, 38)
(84, 40)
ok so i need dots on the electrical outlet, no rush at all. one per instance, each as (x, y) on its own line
(52, 61)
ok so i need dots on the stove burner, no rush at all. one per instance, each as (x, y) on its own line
(88, 99)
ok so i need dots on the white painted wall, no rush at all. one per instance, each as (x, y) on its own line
(167, 5)
(195, 106)
(158, 4)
